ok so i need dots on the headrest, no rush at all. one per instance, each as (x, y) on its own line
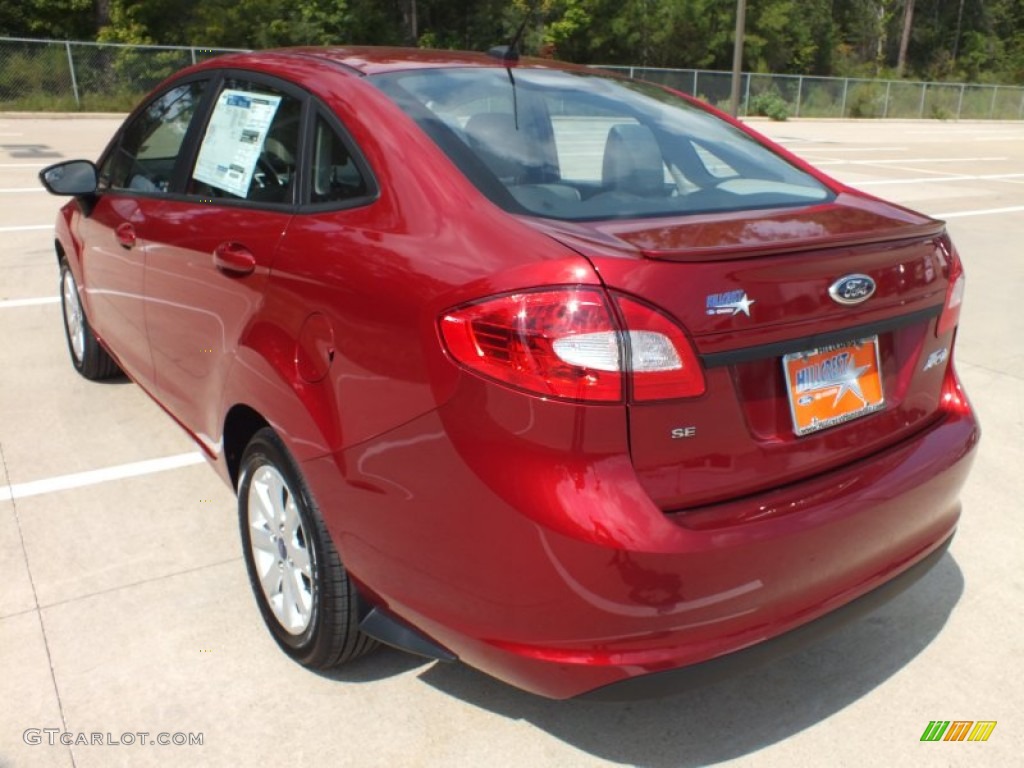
(502, 147)
(632, 161)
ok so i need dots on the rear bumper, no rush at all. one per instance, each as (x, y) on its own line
(675, 680)
(552, 570)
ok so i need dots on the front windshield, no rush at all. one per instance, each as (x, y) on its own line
(581, 147)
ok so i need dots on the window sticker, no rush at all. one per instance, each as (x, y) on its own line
(234, 139)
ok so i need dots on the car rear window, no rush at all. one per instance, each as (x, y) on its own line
(585, 146)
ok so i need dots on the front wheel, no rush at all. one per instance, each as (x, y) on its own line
(89, 358)
(303, 591)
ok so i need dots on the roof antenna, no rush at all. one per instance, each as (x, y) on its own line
(510, 53)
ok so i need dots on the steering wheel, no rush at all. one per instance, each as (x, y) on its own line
(268, 172)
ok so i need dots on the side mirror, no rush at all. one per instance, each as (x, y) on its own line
(72, 177)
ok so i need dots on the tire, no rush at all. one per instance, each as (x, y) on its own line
(303, 591)
(89, 358)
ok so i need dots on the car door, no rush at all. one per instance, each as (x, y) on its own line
(135, 177)
(210, 247)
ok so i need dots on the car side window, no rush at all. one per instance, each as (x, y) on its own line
(250, 149)
(145, 155)
(335, 175)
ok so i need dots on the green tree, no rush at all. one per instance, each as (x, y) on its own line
(50, 19)
(975, 39)
(790, 36)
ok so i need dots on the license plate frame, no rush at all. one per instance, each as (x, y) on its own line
(824, 384)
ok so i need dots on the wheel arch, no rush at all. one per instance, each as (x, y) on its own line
(240, 424)
(263, 388)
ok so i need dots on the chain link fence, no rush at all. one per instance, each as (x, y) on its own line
(808, 96)
(54, 75)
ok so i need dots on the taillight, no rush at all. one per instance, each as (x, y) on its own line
(954, 293)
(662, 361)
(567, 343)
(561, 343)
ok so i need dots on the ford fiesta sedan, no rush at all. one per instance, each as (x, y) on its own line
(565, 376)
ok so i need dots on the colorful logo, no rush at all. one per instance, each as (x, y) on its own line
(958, 730)
(837, 371)
(831, 385)
(729, 303)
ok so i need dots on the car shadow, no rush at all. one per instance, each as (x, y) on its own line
(381, 663)
(118, 379)
(740, 715)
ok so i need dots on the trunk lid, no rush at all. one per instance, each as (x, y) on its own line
(753, 287)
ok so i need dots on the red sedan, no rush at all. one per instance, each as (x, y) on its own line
(568, 377)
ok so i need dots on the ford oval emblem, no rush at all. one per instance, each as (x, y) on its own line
(852, 289)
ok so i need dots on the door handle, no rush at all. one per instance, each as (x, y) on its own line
(233, 259)
(125, 234)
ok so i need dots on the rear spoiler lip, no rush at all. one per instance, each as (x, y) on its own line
(850, 220)
(724, 252)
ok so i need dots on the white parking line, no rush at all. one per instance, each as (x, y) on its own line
(12, 303)
(919, 170)
(933, 179)
(29, 228)
(23, 165)
(23, 189)
(834, 148)
(96, 476)
(982, 212)
(907, 160)
(946, 130)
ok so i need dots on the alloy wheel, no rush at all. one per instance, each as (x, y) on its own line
(280, 549)
(73, 318)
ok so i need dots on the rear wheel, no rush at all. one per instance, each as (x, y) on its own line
(303, 591)
(89, 358)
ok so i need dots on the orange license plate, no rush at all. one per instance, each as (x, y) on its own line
(832, 385)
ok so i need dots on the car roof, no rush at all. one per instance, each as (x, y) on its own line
(373, 60)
